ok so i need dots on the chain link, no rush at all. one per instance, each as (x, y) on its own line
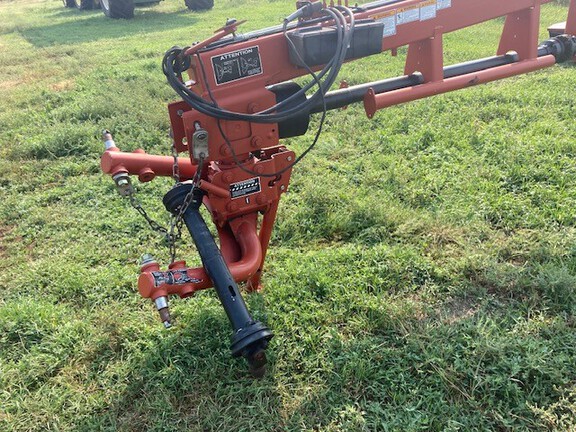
(153, 224)
(175, 166)
(174, 233)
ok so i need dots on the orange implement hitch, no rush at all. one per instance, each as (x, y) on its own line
(237, 101)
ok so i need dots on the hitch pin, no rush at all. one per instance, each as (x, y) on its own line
(162, 306)
(109, 143)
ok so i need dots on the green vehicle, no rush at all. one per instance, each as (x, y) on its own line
(125, 8)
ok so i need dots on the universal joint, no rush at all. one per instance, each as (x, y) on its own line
(562, 47)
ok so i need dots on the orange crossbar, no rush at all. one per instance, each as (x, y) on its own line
(373, 102)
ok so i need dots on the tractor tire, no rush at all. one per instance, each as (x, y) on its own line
(84, 4)
(198, 5)
(69, 3)
(123, 9)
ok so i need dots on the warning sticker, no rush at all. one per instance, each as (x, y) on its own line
(407, 15)
(237, 65)
(388, 18)
(173, 277)
(443, 4)
(427, 10)
(246, 187)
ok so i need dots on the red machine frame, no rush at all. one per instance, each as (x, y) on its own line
(248, 151)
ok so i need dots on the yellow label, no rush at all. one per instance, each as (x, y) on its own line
(408, 14)
(386, 14)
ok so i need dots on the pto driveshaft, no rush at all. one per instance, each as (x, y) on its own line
(250, 337)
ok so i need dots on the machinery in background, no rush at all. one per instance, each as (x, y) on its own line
(125, 8)
(238, 101)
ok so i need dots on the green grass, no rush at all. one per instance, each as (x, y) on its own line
(421, 275)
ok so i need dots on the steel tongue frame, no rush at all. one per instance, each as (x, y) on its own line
(239, 167)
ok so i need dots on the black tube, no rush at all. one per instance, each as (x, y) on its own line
(479, 65)
(216, 267)
(342, 97)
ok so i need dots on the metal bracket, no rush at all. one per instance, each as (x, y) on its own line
(200, 143)
(123, 184)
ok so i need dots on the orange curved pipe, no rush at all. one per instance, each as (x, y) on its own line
(183, 281)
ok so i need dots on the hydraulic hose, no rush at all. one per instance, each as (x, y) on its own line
(285, 109)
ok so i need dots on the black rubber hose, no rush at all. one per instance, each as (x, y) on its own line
(344, 33)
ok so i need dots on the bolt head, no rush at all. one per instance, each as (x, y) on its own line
(224, 150)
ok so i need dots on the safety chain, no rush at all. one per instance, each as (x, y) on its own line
(175, 166)
(174, 233)
(153, 224)
(176, 221)
(195, 183)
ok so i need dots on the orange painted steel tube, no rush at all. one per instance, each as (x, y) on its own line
(241, 270)
(374, 102)
(115, 161)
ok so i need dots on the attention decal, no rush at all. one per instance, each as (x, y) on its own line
(237, 65)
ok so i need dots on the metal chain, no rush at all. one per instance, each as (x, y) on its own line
(176, 221)
(190, 195)
(175, 166)
(153, 224)
(174, 233)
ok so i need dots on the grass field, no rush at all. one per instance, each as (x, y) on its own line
(432, 289)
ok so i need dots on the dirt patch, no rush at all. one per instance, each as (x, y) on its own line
(5, 85)
(458, 309)
(62, 85)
